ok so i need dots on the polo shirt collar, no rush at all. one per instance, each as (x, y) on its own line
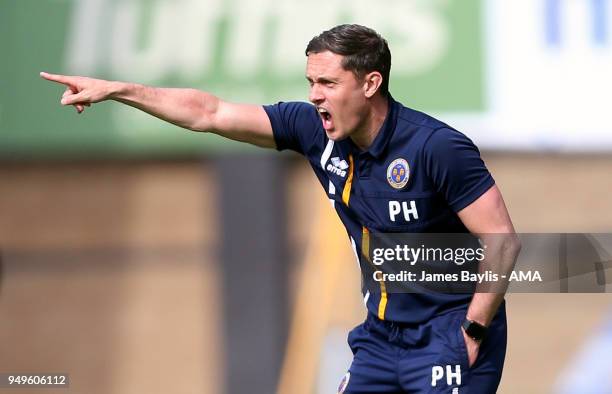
(386, 130)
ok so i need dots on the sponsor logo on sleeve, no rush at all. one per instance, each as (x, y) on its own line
(344, 383)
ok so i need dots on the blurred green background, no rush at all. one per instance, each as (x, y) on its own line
(240, 50)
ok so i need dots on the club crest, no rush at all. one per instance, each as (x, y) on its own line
(398, 173)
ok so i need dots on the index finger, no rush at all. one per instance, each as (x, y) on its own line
(63, 79)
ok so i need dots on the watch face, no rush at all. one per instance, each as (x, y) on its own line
(474, 330)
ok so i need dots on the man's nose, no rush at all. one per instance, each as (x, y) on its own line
(316, 95)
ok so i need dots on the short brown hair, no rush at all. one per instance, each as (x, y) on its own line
(364, 50)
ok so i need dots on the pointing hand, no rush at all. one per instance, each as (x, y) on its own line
(81, 92)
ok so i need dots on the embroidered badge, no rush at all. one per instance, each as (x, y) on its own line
(398, 173)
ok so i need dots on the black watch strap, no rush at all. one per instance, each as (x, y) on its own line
(474, 330)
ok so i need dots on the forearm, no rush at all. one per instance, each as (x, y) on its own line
(500, 257)
(483, 307)
(188, 108)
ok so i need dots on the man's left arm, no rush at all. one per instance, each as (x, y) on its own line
(488, 218)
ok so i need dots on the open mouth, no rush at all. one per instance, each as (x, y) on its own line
(326, 118)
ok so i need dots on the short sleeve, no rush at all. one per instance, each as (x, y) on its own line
(455, 167)
(293, 124)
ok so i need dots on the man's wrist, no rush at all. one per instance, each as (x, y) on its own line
(478, 319)
(119, 90)
(474, 330)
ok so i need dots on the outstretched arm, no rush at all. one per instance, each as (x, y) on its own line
(188, 108)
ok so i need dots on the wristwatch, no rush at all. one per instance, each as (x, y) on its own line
(474, 330)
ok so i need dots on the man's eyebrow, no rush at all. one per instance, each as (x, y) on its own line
(321, 79)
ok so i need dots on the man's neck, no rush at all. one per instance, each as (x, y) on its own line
(372, 123)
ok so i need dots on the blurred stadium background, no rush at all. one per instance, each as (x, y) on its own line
(141, 258)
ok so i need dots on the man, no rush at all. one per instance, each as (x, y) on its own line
(386, 168)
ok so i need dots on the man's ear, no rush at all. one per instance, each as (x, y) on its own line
(372, 82)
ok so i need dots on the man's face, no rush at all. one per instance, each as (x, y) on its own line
(337, 94)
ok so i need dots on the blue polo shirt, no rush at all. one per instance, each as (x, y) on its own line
(415, 177)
